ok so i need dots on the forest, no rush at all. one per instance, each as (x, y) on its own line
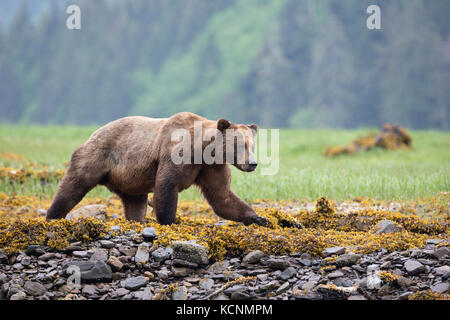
(279, 63)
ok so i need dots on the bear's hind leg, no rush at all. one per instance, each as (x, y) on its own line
(135, 206)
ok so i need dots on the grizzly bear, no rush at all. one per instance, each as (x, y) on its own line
(134, 156)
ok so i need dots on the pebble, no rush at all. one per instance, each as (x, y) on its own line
(288, 273)
(283, 288)
(181, 271)
(347, 259)
(180, 293)
(149, 234)
(442, 270)
(206, 283)
(414, 267)
(308, 285)
(115, 263)
(441, 252)
(34, 250)
(387, 226)
(134, 283)
(89, 211)
(278, 264)
(333, 251)
(97, 271)
(441, 287)
(335, 274)
(99, 255)
(190, 251)
(107, 244)
(253, 257)
(142, 254)
(161, 254)
(34, 288)
(239, 296)
(19, 296)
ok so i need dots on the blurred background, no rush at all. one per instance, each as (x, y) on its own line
(278, 63)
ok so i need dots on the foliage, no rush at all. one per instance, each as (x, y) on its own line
(277, 63)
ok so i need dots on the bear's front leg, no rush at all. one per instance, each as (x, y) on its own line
(214, 183)
(165, 198)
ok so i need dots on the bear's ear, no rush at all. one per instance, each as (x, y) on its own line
(254, 128)
(223, 124)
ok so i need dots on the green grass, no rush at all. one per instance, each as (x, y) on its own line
(304, 173)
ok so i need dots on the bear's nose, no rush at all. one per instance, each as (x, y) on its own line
(252, 164)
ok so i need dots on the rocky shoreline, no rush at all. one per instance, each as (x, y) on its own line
(130, 267)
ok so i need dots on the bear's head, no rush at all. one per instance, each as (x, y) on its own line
(239, 144)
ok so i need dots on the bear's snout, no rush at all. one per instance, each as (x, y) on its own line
(252, 165)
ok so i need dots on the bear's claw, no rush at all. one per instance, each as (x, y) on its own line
(257, 220)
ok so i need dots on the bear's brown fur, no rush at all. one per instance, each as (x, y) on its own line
(132, 157)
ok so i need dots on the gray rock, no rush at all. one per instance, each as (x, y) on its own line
(343, 282)
(309, 285)
(221, 296)
(46, 256)
(446, 275)
(34, 288)
(206, 283)
(262, 277)
(219, 266)
(404, 295)
(288, 273)
(335, 274)
(89, 290)
(404, 282)
(183, 263)
(181, 271)
(442, 270)
(91, 271)
(107, 244)
(144, 295)
(414, 267)
(305, 262)
(89, 211)
(26, 261)
(253, 257)
(278, 264)
(162, 274)
(441, 252)
(333, 250)
(239, 296)
(441, 287)
(99, 255)
(347, 259)
(122, 292)
(283, 288)
(190, 251)
(115, 228)
(180, 293)
(149, 234)
(3, 279)
(142, 254)
(356, 297)
(387, 226)
(134, 283)
(3, 258)
(18, 296)
(235, 288)
(162, 254)
(80, 253)
(34, 250)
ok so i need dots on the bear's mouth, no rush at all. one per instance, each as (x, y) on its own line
(247, 167)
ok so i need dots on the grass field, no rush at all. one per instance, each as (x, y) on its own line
(304, 173)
